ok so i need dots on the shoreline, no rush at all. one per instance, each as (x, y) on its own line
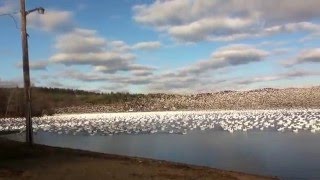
(56, 162)
(89, 114)
(193, 110)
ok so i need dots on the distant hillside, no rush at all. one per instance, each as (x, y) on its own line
(54, 100)
(46, 100)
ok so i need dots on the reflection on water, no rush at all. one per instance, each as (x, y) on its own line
(286, 155)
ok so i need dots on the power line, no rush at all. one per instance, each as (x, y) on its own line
(12, 17)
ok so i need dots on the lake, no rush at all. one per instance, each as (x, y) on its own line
(286, 155)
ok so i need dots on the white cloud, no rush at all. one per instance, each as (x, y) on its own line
(8, 7)
(292, 74)
(162, 13)
(80, 41)
(147, 45)
(305, 27)
(176, 82)
(114, 78)
(136, 69)
(120, 46)
(311, 55)
(140, 70)
(86, 47)
(52, 20)
(292, 27)
(305, 56)
(232, 55)
(193, 78)
(191, 21)
(171, 82)
(187, 79)
(214, 27)
(95, 59)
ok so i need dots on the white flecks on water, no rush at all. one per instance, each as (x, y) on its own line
(179, 122)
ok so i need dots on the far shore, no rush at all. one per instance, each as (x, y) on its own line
(63, 101)
(19, 161)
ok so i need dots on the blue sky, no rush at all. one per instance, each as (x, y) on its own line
(180, 46)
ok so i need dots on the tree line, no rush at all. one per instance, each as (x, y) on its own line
(45, 100)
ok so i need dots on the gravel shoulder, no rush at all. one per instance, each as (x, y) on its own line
(18, 161)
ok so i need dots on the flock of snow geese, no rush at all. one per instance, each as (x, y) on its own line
(175, 122)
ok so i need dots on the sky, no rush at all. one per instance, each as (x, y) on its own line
(164, 46)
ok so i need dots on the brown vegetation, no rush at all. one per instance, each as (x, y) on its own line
(12, 103)
(47, 100)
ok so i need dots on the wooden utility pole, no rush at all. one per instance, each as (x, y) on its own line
(26, 72)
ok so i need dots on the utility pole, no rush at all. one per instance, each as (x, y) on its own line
(26, 69)
(26, 73)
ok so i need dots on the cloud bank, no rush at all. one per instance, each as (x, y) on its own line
(203, 20)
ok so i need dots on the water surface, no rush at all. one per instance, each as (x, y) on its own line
(286, 155)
